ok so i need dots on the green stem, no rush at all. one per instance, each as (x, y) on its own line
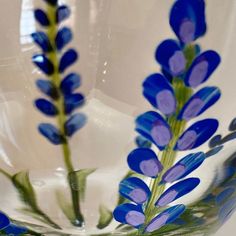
(6, 174)
(56, 79)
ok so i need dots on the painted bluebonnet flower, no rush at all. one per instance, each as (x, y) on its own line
(9, 228)
(184, 67)
(61, 98)
(57, 90)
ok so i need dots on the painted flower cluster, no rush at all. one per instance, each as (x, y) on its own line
(172, 93)
(61, 98)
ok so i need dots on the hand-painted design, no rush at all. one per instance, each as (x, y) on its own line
(166, 217)
(197, 134)
(170, 56)
(177, 190)
(217, 140)
(159, 92)
(154, 127)
(200, 102)
(8, 228)
(135, 190)
(202, 68)
(171, 93)
(144, 161)
(41, 17)
(183, 167)
(187, 19)
(62, 98)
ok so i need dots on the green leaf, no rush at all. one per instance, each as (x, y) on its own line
(22, 182)
(65, 206)
(78, 179)
(105, 217)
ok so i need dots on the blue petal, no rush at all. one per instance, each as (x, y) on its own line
(41, 17)
(229, 137)
(227, 210)
(135, 190)
(129, 214)
(51, 133)
(160, 93)
(46, 107)
(142, 142)
(63, 12)
(170, 57)
(166, 217)
(52, 2)
(144, 161)
(42, 40)
(43, 63)
(74, 123)
(47, 87)
(199, 102)
(214, 151)
(67, 59)
(15, 230)
(184, 167)
(232, 126)
(64, 36)
(215, 141)
(187, 19)
(224, 195)
(73, 101)
(197, 134)
(202, 68)
(70, 83)
(177, 190)
(4, 221)
(153, 127)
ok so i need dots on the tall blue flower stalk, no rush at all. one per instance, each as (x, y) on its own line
(61, 99)
(173, 95)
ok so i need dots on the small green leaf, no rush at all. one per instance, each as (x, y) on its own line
(78, 179)
(105, 217)
(65, 206)
(22, 182)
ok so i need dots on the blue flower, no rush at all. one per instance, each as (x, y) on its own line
(51, 133)
(166, 217)
(177, 190)
(202, 68)
(72, 102)
(43, 63)
(155, 128)
(42, 40)
(46, 107)
(187, 19)
(129, 214)
(171, 57)
(183, 167)
(41, 17)
(70, 83)
(144, 161)
(68, 58)
(135, 190)
(75, 123)
(158, 91)
(64, 36)
(48, 88)
(197, 134)
(199, 102)
(63, 12)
